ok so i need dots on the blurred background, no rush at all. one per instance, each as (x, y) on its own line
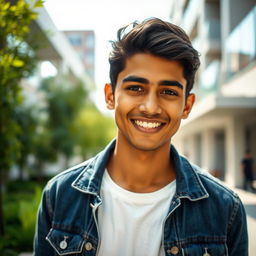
(53, 67)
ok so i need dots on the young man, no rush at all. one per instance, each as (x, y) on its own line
(139, 196)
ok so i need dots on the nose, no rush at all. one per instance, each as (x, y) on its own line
(150, 105)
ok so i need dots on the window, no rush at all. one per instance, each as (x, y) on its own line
(75, 39)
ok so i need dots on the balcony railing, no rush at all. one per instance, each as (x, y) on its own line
(241, 45)
(209, 79)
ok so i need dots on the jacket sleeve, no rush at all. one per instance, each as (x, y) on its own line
(237, 239)
(44, 219)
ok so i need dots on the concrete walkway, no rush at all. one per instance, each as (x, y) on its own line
(249, 201)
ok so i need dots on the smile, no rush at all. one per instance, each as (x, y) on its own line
(147, 124)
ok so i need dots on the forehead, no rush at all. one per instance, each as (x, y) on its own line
(153, 68)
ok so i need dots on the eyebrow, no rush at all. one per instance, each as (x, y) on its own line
(136, 79)
(171, 83)
(146, 81)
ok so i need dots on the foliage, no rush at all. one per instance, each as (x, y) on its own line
(27, 217)
(16, 61)
(27, 119)
(76, 126)
(64, 100)
(21, 203)
(71, 122)
(92, 131)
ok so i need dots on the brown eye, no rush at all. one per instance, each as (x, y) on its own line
(135, 88)
(169, 92)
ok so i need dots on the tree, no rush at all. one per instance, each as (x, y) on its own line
(28, 123)
(17, 61)
(92, 130)
(65, 98)
(75, 125)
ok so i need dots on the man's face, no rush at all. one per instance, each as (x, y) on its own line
(149, 101)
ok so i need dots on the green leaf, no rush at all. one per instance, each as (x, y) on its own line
(33, 16)
(38, 4)
(18, 63)
(6, 6)
(13, 8)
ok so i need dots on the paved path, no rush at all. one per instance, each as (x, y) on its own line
(249, 201)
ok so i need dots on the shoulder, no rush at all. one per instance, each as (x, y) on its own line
(217, 189)
(224, 199)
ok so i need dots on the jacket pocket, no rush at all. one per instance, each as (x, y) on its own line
(65, 243)
(206, 250)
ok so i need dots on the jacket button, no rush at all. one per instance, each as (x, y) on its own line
(63, 245)
(174, 250)
(88, 246)
(206, 252)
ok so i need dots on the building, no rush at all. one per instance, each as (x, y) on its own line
(222, 125)
(84, 44)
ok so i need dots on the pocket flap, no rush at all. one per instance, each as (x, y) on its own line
(64, 242)
(206, 249)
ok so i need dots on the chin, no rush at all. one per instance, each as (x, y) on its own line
(148, 147)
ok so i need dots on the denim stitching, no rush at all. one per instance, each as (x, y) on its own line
(234, 213)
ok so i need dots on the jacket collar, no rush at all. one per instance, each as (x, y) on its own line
(188, 182)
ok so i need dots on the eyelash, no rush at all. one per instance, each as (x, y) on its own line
(171, 92)
(135, 88)
(140, 89)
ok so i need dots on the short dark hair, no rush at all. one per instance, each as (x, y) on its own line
(155, 37)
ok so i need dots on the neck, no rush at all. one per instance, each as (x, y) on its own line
(141, 171)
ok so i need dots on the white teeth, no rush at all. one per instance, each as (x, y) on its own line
(147, 124)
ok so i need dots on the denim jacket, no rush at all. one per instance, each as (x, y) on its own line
(205, 218)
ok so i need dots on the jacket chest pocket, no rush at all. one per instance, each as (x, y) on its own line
(66, 243)
(205, 250)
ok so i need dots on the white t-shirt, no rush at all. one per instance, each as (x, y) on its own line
(131, 224)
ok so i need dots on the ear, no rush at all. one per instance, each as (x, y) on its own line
(188, 105)
(109, 96)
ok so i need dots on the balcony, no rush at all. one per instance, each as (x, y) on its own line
(190, 16)
(209, 79)
(212, 45)
(240, 48)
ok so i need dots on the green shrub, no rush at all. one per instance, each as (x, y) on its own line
(20, 211)
(27, 216)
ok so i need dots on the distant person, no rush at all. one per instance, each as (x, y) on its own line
(139, 196)
(247, 171)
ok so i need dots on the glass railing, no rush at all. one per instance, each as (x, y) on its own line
(209, 79)
(241, 45)
(190, 11)
(212, 28)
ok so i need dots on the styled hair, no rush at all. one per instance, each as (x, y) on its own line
(158, 38)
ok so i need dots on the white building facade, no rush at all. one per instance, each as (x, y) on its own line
(222, 125)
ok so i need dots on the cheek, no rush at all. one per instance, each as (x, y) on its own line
(176, 111)
(125, 104)
(122, 108)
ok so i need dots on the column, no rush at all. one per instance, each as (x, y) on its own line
(234, 146)
(208, 149)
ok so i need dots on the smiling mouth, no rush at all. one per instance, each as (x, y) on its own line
(147, 126)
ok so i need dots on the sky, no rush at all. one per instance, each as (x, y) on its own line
(105, 17)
